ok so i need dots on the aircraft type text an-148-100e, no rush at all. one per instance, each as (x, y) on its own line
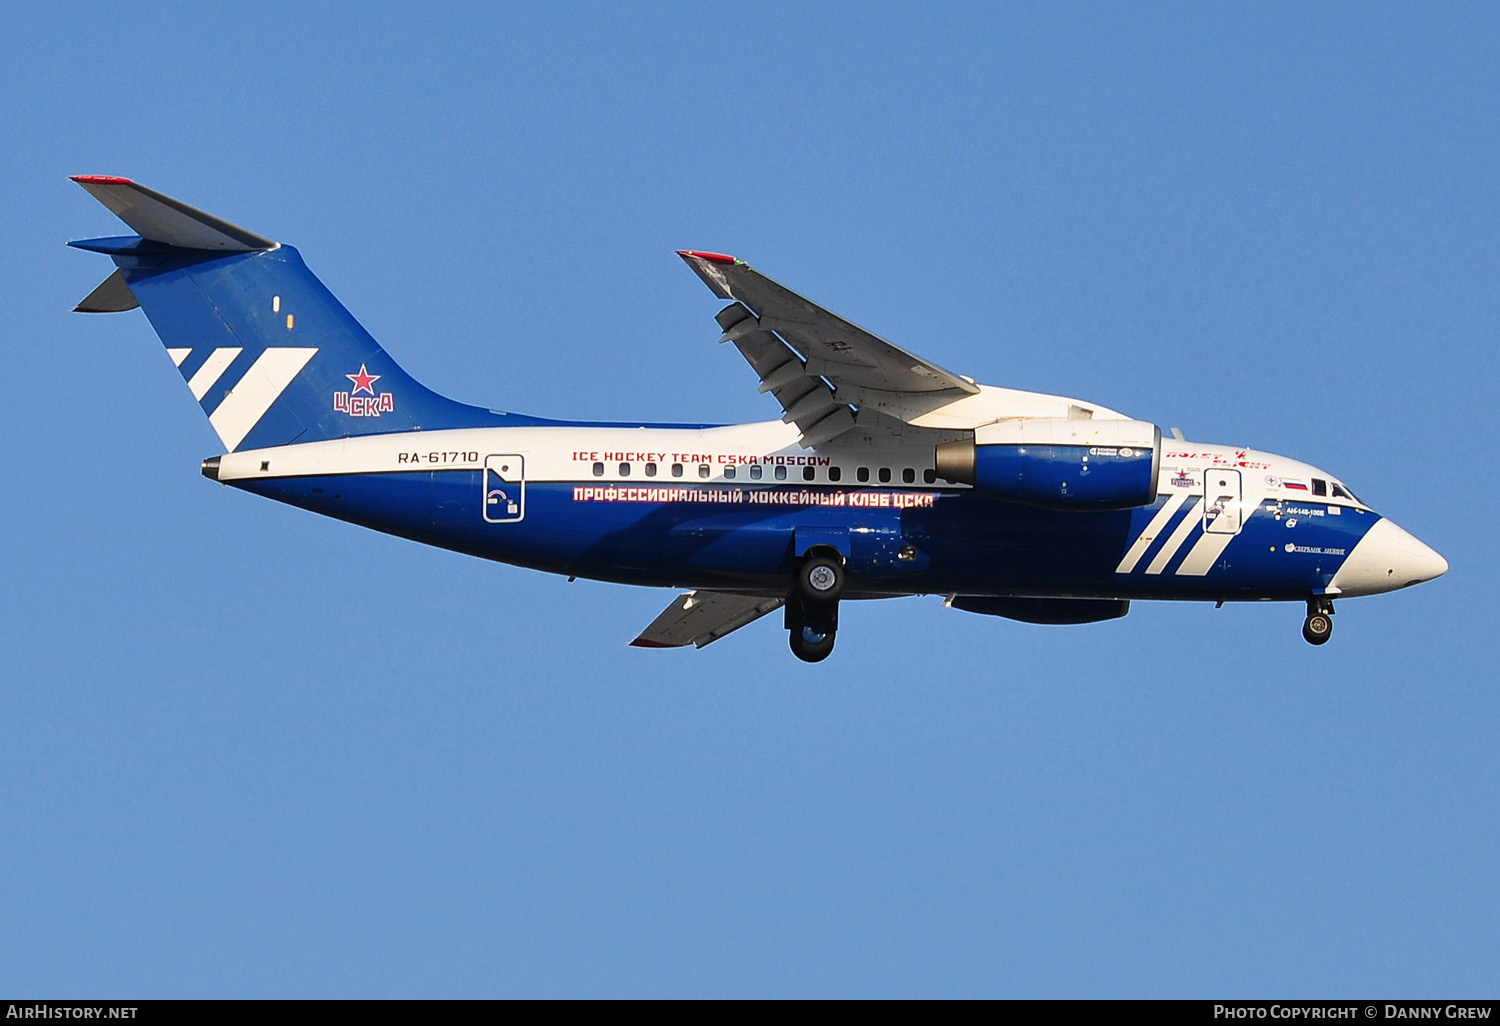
(885, 476)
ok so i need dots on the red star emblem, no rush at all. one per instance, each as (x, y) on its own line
(364, 381)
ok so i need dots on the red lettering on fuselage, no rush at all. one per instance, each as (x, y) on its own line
(363, 405)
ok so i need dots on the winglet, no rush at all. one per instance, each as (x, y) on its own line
(163, 219)
(708, 266)
(717, 258)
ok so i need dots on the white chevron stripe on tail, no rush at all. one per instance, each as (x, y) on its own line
(261, 386)
(178, 355)
(1194, 519)
(212, 370)
(1158, 523)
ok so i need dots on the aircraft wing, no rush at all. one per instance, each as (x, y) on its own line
(816, 363)
(700, 617)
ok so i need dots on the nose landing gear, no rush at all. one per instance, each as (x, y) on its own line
(1318, 627)
(812, 610)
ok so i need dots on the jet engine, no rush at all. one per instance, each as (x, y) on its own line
(1059, 464)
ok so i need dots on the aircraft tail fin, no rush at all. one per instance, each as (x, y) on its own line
(267, 351)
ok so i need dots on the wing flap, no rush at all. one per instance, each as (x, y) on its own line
(702, 617)
(806, 400)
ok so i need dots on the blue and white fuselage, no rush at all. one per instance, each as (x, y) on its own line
(679, 508)
(887, 476)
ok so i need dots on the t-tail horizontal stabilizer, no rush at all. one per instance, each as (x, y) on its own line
(156, 218)
(159, 218)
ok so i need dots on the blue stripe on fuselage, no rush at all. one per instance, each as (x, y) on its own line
(722, 535)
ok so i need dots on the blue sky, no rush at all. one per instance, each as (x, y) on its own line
(248, 751)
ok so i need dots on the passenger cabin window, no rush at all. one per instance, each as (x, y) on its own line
(1320, 487)
(929, 476)
(807, 473)
(755, 472)
(835, 474)
(624, 469)
(781, 473)
(885, 475)
(703, 470)
(863, 473)
(729, 473)
(677, 470)
(598, 470)
(908, 475)
(651, 470)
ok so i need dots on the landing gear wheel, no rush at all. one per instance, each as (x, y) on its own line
(1317, 628)
(811, 627)
(820, 579)
(812, 642)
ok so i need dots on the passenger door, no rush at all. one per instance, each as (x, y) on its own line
(1222, 507)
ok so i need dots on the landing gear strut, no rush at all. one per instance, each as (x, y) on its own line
(812, 610)
(1318, 627)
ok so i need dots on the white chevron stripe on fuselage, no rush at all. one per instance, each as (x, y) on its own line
(1158, 523)
(1193, 519)
(1202, 556)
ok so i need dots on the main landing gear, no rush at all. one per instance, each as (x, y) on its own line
(812, 610)
(1318, 627)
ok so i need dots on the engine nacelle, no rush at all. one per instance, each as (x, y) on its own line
(1060, 464)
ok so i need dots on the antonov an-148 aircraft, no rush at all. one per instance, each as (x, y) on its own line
(886, 475)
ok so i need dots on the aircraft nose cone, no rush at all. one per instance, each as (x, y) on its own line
(1385, 559)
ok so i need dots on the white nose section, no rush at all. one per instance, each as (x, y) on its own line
(1385, 559)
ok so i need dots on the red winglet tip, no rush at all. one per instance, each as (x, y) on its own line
(648, 643)
(717, 258)
(101, 180)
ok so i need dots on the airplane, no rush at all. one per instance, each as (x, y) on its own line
(886, 475)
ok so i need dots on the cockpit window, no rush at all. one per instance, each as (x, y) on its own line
(1344, 492)
(1320, 487)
